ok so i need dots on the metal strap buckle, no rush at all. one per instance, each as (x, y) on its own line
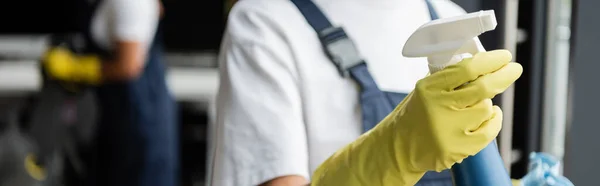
(340, 49)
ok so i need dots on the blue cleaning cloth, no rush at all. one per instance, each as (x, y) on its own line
(544, 171)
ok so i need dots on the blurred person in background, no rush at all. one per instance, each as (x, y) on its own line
(285, 107)
(137, 138)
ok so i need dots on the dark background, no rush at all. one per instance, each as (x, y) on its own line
(189, 25)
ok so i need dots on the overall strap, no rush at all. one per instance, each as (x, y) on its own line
(340, 49)
(432, 13)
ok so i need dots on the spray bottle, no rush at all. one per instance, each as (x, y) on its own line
(445, 42)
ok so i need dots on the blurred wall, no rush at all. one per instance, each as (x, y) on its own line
(581, 164)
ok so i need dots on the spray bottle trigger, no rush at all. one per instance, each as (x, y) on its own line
(467, 50)
(472, 47)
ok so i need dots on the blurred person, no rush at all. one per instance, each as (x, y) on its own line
(285, 106)
(137, 138)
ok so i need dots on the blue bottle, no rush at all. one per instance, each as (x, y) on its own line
(486, 168)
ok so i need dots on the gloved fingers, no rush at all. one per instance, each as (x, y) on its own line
(487, 86)
(488, 130)
(56, 60)
(470, 69)
(481, 112)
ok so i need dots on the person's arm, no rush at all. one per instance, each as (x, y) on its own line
(260, 131)
(287, 181)
(134, 26)
(128, 62)
(161, 9)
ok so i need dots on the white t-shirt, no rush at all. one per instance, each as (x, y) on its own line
(282, 107)
(125, 20)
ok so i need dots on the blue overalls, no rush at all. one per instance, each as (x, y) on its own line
(137, 135)
(375, 103)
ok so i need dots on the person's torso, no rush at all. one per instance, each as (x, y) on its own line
(330, 102)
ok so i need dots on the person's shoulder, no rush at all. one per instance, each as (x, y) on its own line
(258, 16)
(447, 8)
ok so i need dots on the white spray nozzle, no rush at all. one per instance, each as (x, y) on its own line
(447, 41)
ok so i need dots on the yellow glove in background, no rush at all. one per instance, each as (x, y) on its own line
(437, 125)
(35, 171)
(62, 64)
(516, 182)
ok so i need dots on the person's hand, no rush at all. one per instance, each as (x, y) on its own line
(453, 120)
(61, 64)
(443, 121)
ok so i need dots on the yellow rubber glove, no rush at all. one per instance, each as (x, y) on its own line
(60, 63)
(437, 125)
(35, 171)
